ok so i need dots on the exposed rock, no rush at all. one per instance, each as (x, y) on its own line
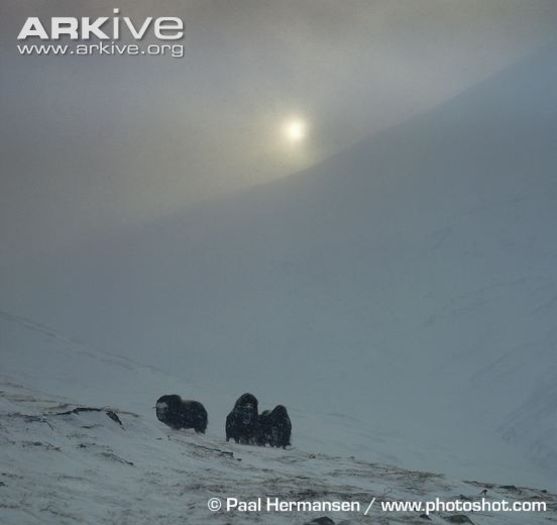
(459, 518)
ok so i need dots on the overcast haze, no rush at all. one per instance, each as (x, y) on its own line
(392, 273)
(90, 145)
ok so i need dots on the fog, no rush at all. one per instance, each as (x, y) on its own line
(92, 145)
(393, 272)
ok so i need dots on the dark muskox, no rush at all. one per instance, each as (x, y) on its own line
(263, 433)
(177, 413)
(274, 428)
(242, 422)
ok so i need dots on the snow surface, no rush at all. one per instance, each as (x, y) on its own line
(59, 468)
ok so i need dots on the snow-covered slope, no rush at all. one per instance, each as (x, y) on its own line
(399, 298)
(113, 462)
(56, 367)
(62, 466)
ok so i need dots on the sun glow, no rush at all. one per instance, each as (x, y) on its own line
(295, 130)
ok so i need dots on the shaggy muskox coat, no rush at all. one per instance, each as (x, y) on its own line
(263, 433)
(274, 428)
(242, 421)
(178, 413)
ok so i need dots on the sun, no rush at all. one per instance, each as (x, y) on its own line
(295, 130)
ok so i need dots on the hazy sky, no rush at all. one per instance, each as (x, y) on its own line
(90, 145)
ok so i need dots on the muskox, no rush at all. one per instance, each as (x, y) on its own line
(263, 431)
(178, 413)
(242, 422)
(274, 428)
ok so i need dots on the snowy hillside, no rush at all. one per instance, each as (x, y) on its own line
(67, 460)
(400, 298)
